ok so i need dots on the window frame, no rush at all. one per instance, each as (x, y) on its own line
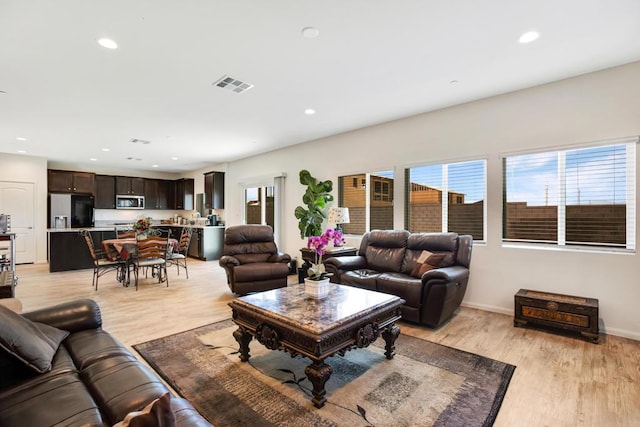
(445, 204)
(561, 245)
(367, 184)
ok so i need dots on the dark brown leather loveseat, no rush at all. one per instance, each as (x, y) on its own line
(91, 380)
(389, 261)
(252, 261)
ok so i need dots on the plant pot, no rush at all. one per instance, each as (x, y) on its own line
(141, 236)
(317, 288)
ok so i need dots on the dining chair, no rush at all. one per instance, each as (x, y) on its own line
(178, 257)
(152, 253)
(102, 264)
(125, 233)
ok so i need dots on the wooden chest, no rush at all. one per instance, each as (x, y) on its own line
(566, 312)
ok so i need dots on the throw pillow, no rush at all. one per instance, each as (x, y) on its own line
(33, 343)
(156, 414)
(425, 262)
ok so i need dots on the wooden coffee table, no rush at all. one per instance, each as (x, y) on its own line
(286, 319)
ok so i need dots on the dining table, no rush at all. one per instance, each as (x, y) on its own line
(126, 249)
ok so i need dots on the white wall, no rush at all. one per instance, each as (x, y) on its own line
(597, 106)
(15, 168)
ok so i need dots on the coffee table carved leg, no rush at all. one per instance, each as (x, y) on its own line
(318, 373)
(243, 338)
(390, 335)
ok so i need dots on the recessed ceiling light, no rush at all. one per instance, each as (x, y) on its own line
(154, 166)
(309, 111)
(528, 37)
(21, 138)
(21, 151)
(93, 159)
(174, 158)
(107, 43)
(106, 149)
(310, 32)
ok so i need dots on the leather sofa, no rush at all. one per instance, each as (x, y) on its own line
(92, 380)
(393, 262)
(252, 261)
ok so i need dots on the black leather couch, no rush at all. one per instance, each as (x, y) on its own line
(388, 261)
(93, 380)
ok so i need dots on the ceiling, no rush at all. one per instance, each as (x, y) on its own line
(373, 61)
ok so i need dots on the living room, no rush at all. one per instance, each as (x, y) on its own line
(597, 107)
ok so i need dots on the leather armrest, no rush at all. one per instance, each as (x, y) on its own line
(228, 261)
(351, 262)
(71, 316)
(280, 257)
(456, 273)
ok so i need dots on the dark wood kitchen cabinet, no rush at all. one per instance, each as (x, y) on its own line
(130, 185)
(159, 194)
(105, 192)
(184, 194)
(70, 182)
(214, 190)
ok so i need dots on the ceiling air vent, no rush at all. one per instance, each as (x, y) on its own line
(140, 141)
(234, 85)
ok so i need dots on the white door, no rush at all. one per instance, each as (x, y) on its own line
(16, 199)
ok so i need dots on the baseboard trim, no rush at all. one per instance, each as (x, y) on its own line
(607, 331)
(485, 307)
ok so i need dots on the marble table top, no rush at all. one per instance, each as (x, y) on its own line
(292, 306)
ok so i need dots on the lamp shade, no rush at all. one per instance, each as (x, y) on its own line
(338, 215)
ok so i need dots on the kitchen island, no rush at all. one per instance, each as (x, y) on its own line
(67, 249)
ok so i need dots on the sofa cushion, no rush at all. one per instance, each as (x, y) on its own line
(385, 249)
(34, 344)
(362, 278)
(403, 286)
(260, 271)
(121, 384)
(92, 345)
(17, 376)
(251, 258)
(441, 243)
(61, 400)
(156, 414)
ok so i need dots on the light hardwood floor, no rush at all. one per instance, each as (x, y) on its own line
(559, 380)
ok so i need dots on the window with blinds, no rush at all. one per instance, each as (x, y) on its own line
(447, 197)
(369, 197)
(574, 197)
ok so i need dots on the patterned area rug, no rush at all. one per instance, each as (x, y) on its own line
(426, 384)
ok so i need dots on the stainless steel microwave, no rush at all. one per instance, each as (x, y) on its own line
(129, 202)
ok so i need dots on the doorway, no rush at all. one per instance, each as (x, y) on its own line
(17, 200)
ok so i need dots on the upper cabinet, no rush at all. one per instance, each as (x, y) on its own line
(214, 190)
(70, 182)
(105, 192)
(159, 194)
(130, 185)
(184, 193)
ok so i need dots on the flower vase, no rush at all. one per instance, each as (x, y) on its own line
(141, 236)
(316, 288)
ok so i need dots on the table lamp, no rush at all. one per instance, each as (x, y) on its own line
(338, 216)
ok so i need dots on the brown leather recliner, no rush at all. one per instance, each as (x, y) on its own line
(252, 260)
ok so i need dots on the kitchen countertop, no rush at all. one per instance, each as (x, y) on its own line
(112, 227)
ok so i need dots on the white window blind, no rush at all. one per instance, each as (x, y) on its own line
(574, 197)
(447, 197)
